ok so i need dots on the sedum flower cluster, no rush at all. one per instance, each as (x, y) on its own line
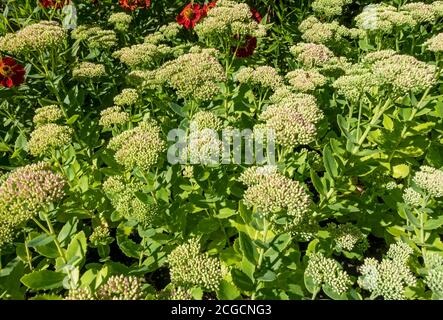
(95, 37)
(80, 294)
(287, 122)
(25, 192)
(42, 35)
(384, 18)
(193, 75)
(205, 119)
(434, 276)
(329, 8)
(204, 146)
(113, 116)
(127, 97)
(315, 31)
(264, 76)
(189, 267)
(139, 147)
(88, 70)
(48, 137)
(435, 44)
(121, 287)
(145, 55)
(311, 55)
(303, 81)
(347, 237)
(389, 277)
(430, 180)
(387, 70)
(327, 271)
(421, 12)
(229, 19)
(412, 197)
(100, 235)
(47, 114)
(273, 195)
(120, 20)
(124, 200)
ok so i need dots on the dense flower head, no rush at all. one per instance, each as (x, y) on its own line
(389, 277)
(27, 190)
(39, 36)
(139, 147)
(48, 137)
(189, 267)
(113, 116)
(347, 237)
(435, 44)
(180, 293)
(230, 19)
(47, 114)
(353, 86)
(193, 75)
(88, 70)
(384, 18)
(273, 195)
(315, 31)
(170, 30)
(142, 55)
(135, 4)
(412, 197)
(120, 20)
(84, 293)
(205, 119)
(6, 232)
(311, 54)
(263, 76)
(434, 276)
(204, 147)
(420, 12)
(12, 74)
(404, 74)
(430, 180)
(288, 124)
(375, 56)
(100, 234)
(190, 15)
(95, 37)
(329, 8)
(324, 270)
(305, 104)
(302, 80)
(127, 97)
(121, 287)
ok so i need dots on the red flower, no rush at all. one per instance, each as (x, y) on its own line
(207, 7)
(134, 4)
(190, 15)
(256, 15)
(56, 4)
(11, 73)
(247, 48)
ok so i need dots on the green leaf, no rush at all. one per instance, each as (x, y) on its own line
(248, 248)
(227, 291)
(225, 213)
(329, 161)
(241, 280)
(43, 280)
(433, 223)
(76, 251)
(333, 294)
(400, 171)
